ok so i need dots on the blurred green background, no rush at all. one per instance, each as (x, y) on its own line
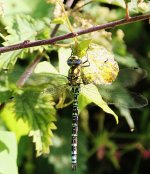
(103, 146)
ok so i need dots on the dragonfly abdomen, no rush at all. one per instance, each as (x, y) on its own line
(75, 91)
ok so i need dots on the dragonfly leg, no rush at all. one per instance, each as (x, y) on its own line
(86, 65)
(86, 61)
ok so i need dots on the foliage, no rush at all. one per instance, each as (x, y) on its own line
(8, 152)
(31, 110)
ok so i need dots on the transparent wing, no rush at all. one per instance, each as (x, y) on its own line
(122, 97)
(55, 85)
(116, 92)
(118, 96)
(129, 77)
(44, 79)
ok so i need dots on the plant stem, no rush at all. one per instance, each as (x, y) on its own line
(72, 35)
(127, 11)
(28, 71)
(69, 4)
(66, 17)
(78, 8)
(67, 20)
(55, 30)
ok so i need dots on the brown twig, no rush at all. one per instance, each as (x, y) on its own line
(28, 71)
(72, 35)
(33, 64)
(54, 31)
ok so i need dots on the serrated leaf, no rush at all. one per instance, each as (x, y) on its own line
(8, 60)
(37, 109)
(22, 29)
(8, 153)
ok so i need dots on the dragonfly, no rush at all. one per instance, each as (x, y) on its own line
(82, 74)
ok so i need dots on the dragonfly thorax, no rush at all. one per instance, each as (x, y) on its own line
(74, 61)
(74, 76)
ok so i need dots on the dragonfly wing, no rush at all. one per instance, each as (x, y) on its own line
(129, 77)
(44, 79)
(50, 84)
(120, 97)
(125, 99)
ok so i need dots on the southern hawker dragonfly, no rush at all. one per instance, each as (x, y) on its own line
(81, 78)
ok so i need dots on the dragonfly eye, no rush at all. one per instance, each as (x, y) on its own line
(74, 61)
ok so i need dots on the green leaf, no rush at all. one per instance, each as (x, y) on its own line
(22, 29)
(5, 94)
(126, 113)
(120, 50)
(45, 67)
(36, 8)
(58, 20)
(8, 60)
(63, 54)
(103, 68)
(19, 127)
(81, 48)
(8, 153)
(134, 5)
(37, 109)
(92, 94)
(114, 2)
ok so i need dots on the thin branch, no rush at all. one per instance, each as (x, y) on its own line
(68, 4)
(55, 30)
(28, 71)
(33, 64)
(78, 8)
(72, 35)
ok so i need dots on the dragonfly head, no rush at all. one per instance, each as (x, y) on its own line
(74, 61)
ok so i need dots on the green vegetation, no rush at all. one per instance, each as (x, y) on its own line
(35, 111)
